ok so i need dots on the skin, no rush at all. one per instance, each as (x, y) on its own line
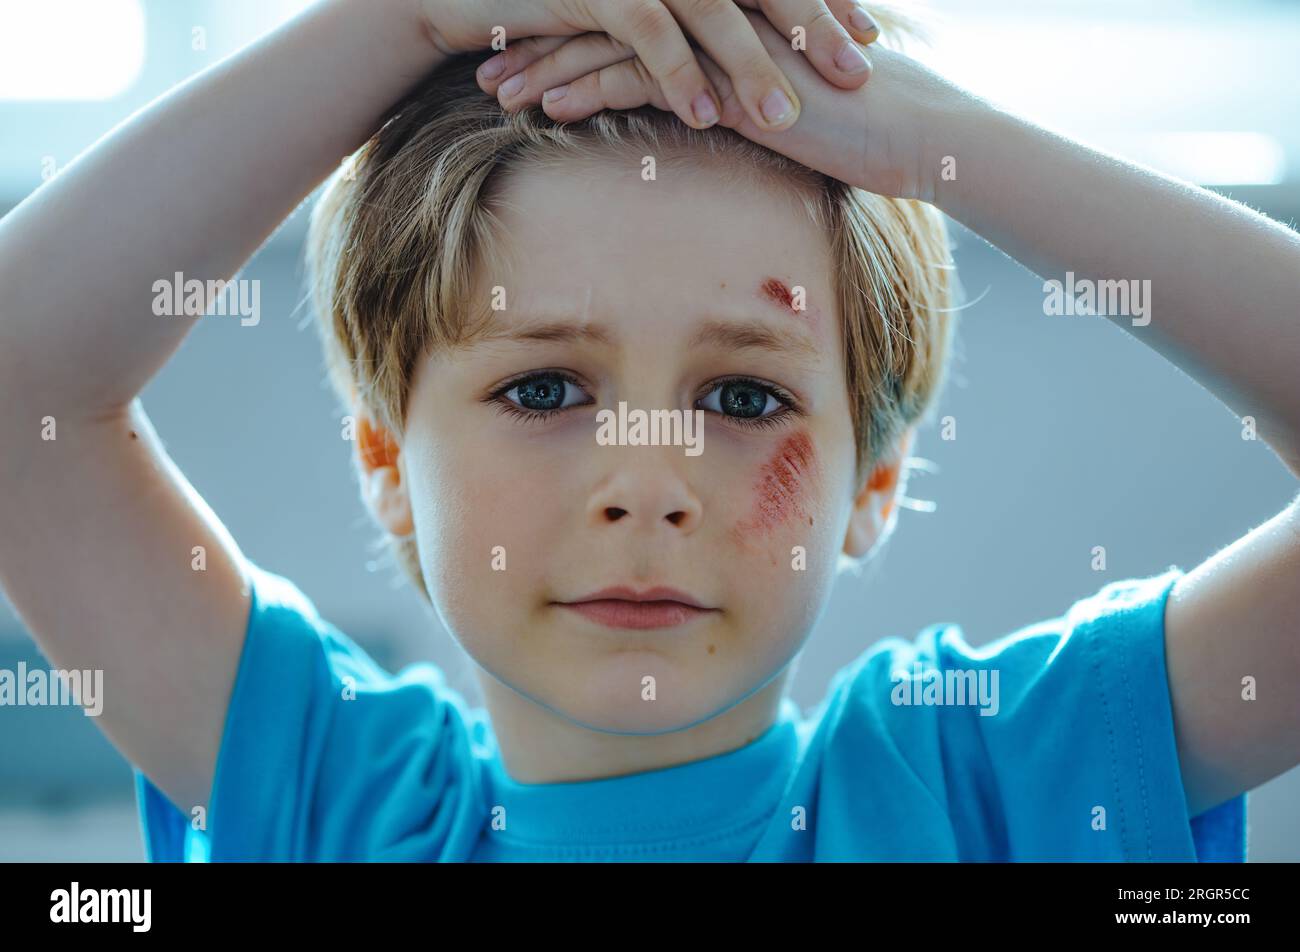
(657, 33)
(573, 516)
(775, 290)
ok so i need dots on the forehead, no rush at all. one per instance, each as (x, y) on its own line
(597, 242)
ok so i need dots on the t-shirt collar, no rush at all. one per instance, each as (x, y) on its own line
(713, 796)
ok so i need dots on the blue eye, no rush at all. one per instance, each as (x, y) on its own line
(740, 398)
(539, 395)
(748, 402)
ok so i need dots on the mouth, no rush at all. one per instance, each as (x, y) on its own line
(626, 608)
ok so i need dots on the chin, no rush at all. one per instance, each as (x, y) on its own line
(615, 699)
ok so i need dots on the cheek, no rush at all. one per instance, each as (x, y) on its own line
(490, 518)
(465, 516)
(785, 493)
(788, 505)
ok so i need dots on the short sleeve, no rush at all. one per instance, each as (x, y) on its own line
(324, 755)
(1079, 758)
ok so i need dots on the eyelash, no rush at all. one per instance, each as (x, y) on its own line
(767, 421)
(504, 405)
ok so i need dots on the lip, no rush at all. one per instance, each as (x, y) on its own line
(624, 607)
(660, 593)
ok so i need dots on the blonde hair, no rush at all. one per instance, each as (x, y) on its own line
(399, 233)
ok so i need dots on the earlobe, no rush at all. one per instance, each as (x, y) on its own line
(868, 516)
(382, 480)
(874, 503)
(387, 500)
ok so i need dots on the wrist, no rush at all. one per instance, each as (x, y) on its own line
(919, 127)
(405, 28)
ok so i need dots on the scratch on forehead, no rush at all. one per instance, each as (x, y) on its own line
(776, 291)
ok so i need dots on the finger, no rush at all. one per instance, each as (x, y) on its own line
(496, 69)
(733, 112)
(624, 85)
(853, 16)
(722, 29)
(810, 26)
(650, 29)
(857, 19)
(573, 60)
(627, 85)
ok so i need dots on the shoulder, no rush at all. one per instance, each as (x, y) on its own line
(938, 674)
(305, 656)
(324, 753)
(1053, 740)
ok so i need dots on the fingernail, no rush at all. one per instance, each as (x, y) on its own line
(776, 106)
(512, 85)
(492, 68)
(705, 111)
(557, 93)
(850, 58)
(862, 20)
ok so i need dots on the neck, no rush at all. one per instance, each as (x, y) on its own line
(540, 745)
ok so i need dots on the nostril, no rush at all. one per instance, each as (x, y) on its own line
(613, 513)
(676, 517)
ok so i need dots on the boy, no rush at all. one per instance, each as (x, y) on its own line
(612, 734)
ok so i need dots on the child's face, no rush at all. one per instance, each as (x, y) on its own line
(516, 517)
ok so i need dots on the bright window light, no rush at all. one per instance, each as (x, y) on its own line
(1207, 158)
(69, 49)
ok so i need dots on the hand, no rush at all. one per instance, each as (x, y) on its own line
(886, 137)
(652, 31)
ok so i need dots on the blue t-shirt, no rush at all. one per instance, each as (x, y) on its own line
(1068, 755)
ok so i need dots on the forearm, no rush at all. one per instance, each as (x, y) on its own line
(1224, 280)
(194, 183)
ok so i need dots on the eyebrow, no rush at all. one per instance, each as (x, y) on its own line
(731, 334)
(563, 332)
(753, 335)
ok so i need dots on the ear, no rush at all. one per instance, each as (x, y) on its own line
(383, 487)
(875, 507)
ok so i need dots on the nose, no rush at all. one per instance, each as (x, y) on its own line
(644, 490)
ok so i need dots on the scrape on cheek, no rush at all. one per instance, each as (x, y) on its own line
(780, 491)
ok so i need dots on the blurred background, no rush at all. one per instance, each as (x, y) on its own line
(1070, 434)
